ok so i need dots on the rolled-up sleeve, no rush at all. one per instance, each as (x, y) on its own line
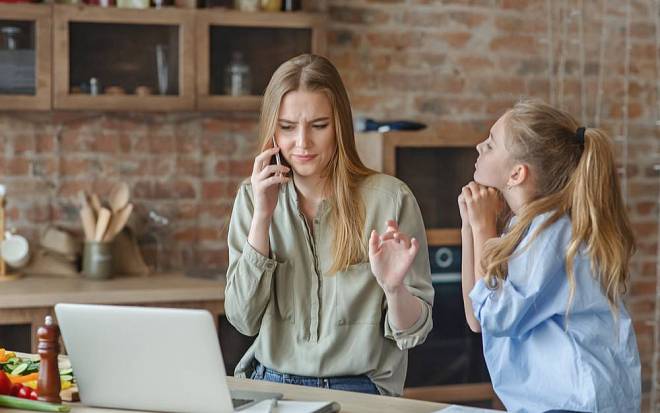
(250, 274)
(535, 289)
(418, 281)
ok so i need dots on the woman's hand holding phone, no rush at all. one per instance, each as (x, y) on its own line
(266, 179)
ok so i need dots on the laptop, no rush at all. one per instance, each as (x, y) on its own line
(142, 358)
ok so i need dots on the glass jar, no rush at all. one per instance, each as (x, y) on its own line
(271, 5)
(237, 76)
(9, 35)
(246, 5)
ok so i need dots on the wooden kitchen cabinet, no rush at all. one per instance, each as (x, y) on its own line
(263, 41)
(127, 52)
(25, 57)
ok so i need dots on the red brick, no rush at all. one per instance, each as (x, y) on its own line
(75, 166)
(647, 208)
(45, 168)
(240, 168)
(358, 15)
(456, 39)
(71, 188)
(162, 144)
(38, 213)
(125, 143)
(16, 166)
(23, 144)
(174, 190)
(394, 40)
(188, 167)
(515, 43)
(493, 86)
(44, 143)
(469, 19)
(644, 229)
(214, 190)
(71, 140)
(471, 64)
(218, 145)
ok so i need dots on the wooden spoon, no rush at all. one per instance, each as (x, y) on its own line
(96, 203)
(118, 222)
(119, 197)
(102, 224)
(87, 216)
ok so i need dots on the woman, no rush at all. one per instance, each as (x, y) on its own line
(299, 272)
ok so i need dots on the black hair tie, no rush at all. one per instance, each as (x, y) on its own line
(580, 135)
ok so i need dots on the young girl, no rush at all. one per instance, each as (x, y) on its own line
(547, 294)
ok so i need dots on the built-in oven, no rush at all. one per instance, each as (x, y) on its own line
(452, 353)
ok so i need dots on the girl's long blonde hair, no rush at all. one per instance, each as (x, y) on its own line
(570, 178)
(345, 171)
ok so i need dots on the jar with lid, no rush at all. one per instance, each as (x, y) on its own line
(237, 76)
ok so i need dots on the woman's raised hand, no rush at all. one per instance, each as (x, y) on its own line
(266, 180)
(391, 256)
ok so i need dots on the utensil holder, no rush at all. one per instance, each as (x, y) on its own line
(97, 260)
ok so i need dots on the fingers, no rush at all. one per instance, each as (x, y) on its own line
(263, 159)
(401, 237)
(272, 170)
(414, 247)
(274, 180)
(373, 242)
(391, 225)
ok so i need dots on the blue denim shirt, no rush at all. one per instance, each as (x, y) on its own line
(537, 358)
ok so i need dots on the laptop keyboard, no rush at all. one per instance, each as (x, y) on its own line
(240, 402)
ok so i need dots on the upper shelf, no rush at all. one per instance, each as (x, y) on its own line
(161, 59)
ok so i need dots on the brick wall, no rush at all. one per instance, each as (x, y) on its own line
(456, 64)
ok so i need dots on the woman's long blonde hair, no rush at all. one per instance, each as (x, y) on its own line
(345, 171)
(570, 178)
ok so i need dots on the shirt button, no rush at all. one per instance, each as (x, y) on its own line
(341, 321)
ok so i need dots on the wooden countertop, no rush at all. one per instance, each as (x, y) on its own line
(350, 402)
(32, 291)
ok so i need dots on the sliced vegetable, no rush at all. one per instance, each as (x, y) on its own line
(26, 404)
(23, 379)
(20, 369)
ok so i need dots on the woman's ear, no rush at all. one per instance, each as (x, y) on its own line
(519, 174)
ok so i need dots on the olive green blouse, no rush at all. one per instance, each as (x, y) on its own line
(315, 324)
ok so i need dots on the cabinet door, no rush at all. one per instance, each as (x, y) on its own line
(238, 52)
(123, 59)
(25, 57)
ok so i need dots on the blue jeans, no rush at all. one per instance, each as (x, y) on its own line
(360, 384)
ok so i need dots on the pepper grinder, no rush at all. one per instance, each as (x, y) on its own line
(48, 384)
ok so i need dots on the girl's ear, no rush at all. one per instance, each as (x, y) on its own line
(519, 174)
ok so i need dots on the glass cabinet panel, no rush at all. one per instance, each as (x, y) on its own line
(17, 57)
(123, 59)
(242, 59)
(25, 56)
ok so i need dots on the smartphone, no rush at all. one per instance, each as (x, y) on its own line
(278, 161)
